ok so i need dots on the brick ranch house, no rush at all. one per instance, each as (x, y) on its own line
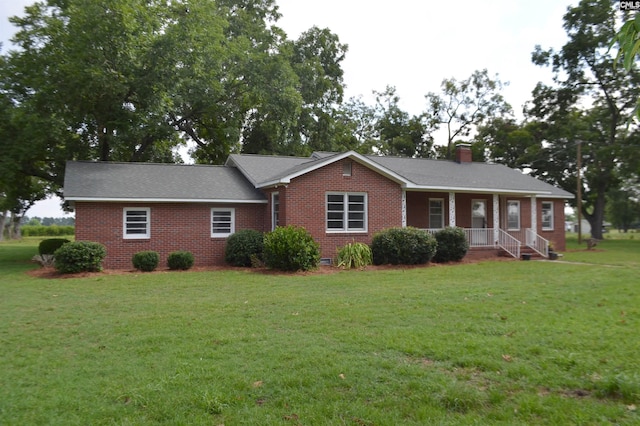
(337, 197)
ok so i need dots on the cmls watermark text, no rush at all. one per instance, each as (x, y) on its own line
(630, 5)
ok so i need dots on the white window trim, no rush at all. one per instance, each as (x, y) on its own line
(273, 210)
(147, 233)
(547, 228)
(441, 213)
(519, 214)
(233, 221)
(345, 216)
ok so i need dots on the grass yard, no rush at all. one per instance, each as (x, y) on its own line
(506, 342)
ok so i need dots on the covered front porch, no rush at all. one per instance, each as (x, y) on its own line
(506, 222)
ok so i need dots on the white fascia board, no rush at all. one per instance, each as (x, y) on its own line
(476, 190)
(164, 200)
(321, 163)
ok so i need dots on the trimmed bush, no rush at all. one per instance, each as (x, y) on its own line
(79, 256)
(146, 261)
(452, 245)
(50, 245)
(244, 247)
(403, 246)
(180, 260)
(354, 255)
(291, 248)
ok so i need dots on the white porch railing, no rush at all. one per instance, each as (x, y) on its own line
(537, 243)
(509, 243)
(477, 237)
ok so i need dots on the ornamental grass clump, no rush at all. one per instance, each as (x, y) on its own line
(180, 260)
(354, 255)
(79, 256)
(403, 246)
(291, 248)
(452, 245)
(146, 261)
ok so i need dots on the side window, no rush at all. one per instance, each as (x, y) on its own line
(223, 222)
(436, 213)
(275, 210)
(513, 215)
(547, 216)
(136, 222)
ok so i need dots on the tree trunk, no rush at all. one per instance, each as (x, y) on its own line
(3, 221)
(14, 229)
(596, 219)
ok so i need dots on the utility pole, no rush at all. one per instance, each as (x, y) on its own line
(579, 191)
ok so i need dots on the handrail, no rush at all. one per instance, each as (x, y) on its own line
(537, 243)
(509, 243)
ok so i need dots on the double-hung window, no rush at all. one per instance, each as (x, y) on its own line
(136, 222)
(223, 222)
(346, 212)
(275, 210)
(547, 216)
(513, 215)
(436, 213)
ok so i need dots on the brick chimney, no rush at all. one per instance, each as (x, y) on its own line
(463, 153)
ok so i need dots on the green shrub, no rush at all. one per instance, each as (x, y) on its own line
(291, 248)
(243, 246)
(46, 231)
(452, 245)
(79, 256)
(50, 245)
(146, 261)
(181, 260)
(354, 255)
(403, 246)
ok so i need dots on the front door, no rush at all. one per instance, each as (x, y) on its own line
(479, 223)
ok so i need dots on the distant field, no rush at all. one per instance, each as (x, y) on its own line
(504, 342)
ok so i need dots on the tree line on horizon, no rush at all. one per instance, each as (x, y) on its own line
(134, 80)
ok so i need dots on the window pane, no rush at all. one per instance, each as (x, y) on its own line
(222, 222)
(436, 217)
(136, 223)
(513, 215)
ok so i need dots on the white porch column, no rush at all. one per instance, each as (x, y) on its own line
(452, 209)
(404, 208)
(534, 214)
(496, 218)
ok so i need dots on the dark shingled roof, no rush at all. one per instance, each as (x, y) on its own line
(238, 179)
(412, 173)
(156, 182)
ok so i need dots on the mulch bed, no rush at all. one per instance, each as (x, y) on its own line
(471, 257)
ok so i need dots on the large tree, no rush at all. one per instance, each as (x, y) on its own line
(399, 133)
(131, 80)
(587, 104)
(465, 104)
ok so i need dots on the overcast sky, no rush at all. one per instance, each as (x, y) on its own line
(412, 44)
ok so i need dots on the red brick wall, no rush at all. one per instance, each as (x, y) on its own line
(418, 208)
(305, 203)
(173, 227)
(557, 235)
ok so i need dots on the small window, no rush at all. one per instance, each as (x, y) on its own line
(347, 168)
(436, 213)
(513, 215)
(547, 216)
(346, 212)
(223, 222)
(136, 222)
(275, 210)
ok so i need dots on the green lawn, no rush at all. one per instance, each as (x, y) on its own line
(488, 343)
